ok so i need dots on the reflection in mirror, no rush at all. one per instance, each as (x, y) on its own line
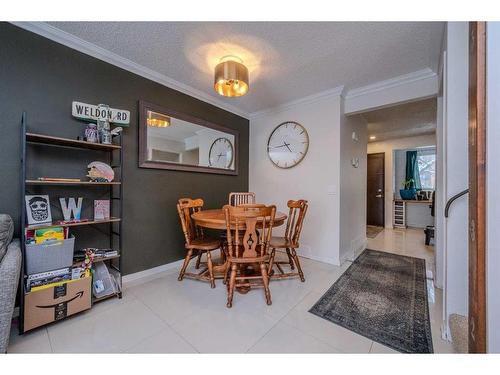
(172, 140)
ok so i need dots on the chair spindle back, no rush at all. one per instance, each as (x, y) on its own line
(186, 207)
(237, 199)
(296, 215)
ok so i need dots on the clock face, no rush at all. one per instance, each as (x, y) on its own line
(288, 144)
(221, 153)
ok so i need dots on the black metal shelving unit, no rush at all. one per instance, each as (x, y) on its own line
(115, 223)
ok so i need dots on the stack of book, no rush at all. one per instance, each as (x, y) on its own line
(106, 253)
(98, 253)
(44, 280)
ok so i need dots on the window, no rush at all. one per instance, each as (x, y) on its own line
(426, 159)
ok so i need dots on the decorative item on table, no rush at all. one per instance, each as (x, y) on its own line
(38, 209)
(71, 210)
(409, 192)
(43, 235)
(91, 133)
(100, 172)
(101, 209)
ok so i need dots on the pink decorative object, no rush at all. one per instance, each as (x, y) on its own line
(100, 172)
(101, 209)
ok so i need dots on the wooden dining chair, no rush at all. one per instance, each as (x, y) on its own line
(197, 242)
(248, 248)
(237, 199)
(290, 242)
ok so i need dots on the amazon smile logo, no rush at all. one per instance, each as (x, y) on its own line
(78, 295)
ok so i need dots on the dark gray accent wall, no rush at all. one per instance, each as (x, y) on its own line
(42, 78)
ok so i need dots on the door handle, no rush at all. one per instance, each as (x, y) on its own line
(378, 196)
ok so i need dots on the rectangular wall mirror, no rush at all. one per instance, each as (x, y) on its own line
(178, 141)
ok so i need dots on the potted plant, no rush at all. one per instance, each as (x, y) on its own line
(408, 192)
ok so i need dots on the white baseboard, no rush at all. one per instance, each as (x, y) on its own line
(357, 247)
(151, 272)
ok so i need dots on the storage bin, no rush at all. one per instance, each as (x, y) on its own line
(102, 273)
(56, 302)
(49, 256)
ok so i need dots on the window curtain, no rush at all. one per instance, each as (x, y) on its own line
(412, 169)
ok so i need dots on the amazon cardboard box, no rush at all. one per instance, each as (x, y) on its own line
(56, 302)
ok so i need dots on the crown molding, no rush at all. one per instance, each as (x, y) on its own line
(335, 92)
(392, 82)
(69, 40)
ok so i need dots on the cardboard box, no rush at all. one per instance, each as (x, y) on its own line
(56, 302)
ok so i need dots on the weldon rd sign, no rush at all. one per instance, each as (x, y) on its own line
(94, 112)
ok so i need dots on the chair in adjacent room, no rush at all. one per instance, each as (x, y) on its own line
(247, 248)
(290, 242)
(236, 199)
(197, 242)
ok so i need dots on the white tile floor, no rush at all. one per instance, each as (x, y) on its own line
(166, 316)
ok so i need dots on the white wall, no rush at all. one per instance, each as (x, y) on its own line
(352, 187)
(439, 220)
(316, 178)
(492, 191)
(388, 148)
(455, 173)
(396, 90)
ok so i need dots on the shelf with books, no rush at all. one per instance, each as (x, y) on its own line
(67, 142)
(96, 260)
(110, 154)
(87, 183)
(75, 224)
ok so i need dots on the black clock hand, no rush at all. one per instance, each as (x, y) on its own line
(279, 146)
(288, 144)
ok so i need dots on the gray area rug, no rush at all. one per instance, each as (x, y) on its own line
(383, 297)
(372, 231)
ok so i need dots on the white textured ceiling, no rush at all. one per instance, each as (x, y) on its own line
(286, 60)
(405, 120)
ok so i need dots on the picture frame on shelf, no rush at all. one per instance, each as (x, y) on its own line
(101, 209)
(38, 209)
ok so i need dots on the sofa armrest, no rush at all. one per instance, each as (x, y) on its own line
(10, 267)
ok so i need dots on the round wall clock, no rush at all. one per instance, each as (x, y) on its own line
(221, 153)
(288, 144)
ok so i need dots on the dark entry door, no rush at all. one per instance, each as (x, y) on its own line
(375, 189)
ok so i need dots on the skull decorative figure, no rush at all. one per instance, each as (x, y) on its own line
(39, 208)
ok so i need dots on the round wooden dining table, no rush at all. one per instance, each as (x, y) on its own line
(216, 219)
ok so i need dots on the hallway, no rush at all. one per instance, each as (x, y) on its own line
(410, 242)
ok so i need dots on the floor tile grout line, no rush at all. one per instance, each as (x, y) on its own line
(50, 341)
(317, 338)
(371, 346)
(169, 326)
(279, 320)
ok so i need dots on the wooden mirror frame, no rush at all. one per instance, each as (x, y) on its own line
(143, 141)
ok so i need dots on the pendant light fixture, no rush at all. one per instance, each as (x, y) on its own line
(231, 77)
(157, 120)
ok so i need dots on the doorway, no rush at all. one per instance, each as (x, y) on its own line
(375, 206)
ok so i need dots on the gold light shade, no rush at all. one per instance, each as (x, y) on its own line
(157, 120)
(231, 78)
